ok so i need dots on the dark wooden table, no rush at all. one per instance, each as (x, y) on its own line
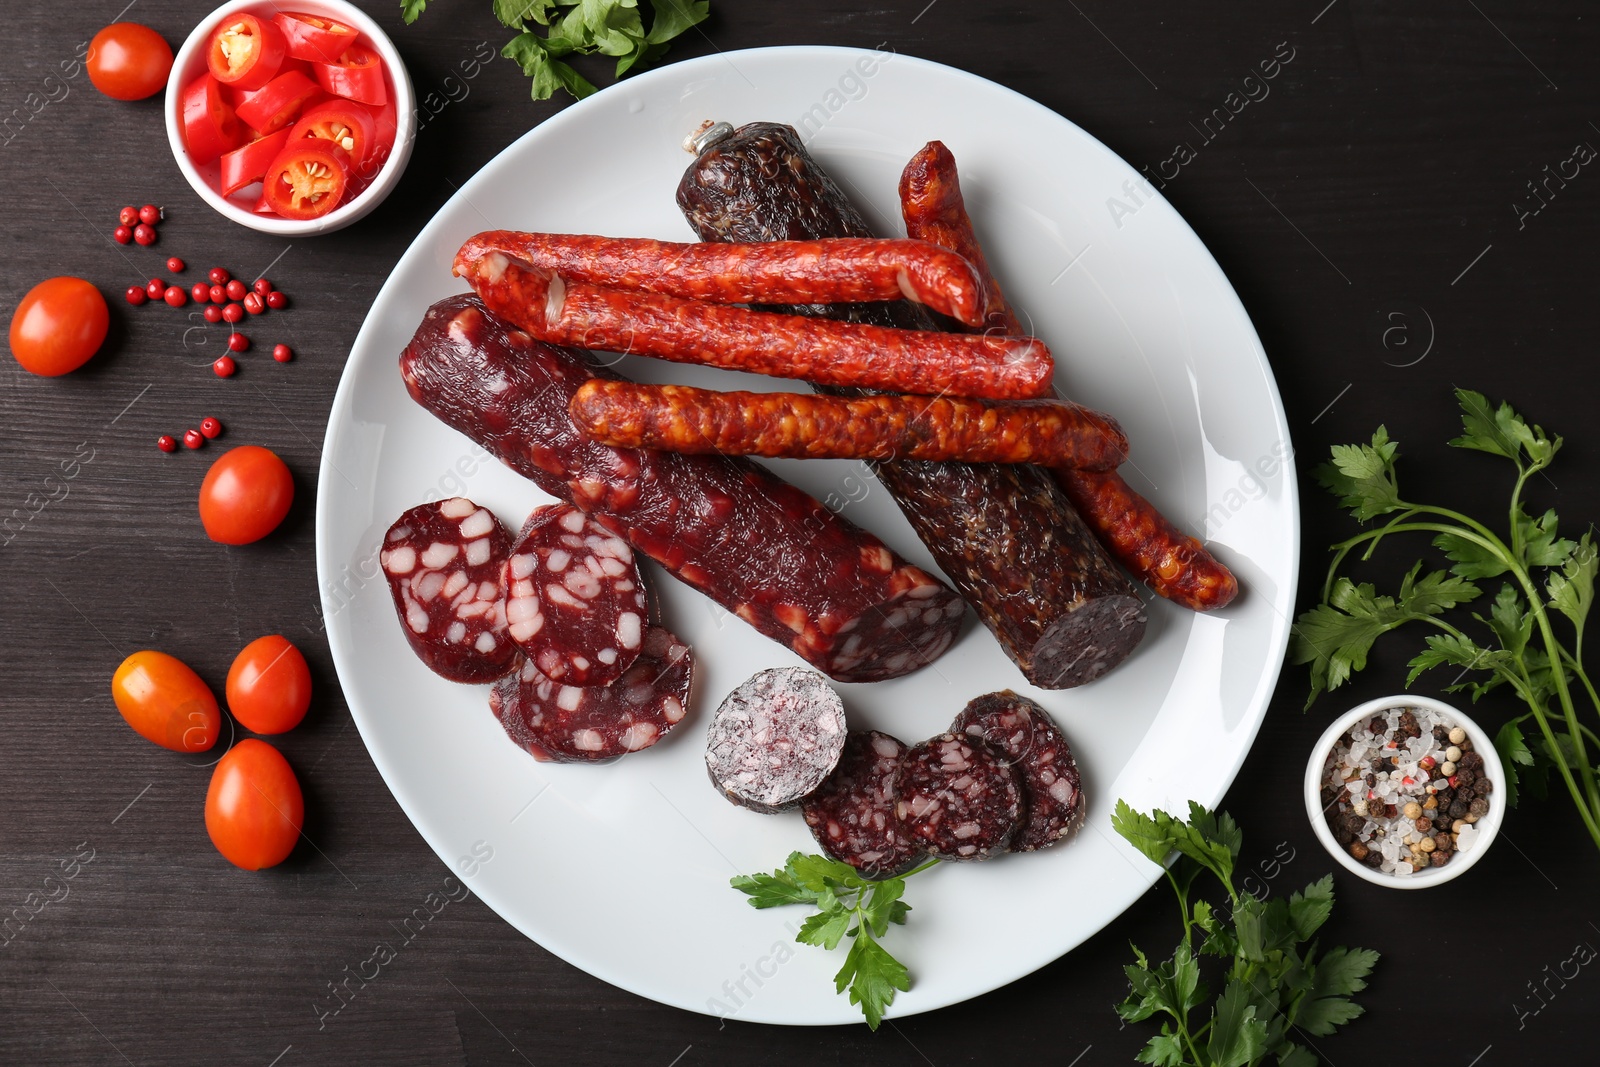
(1376, 216)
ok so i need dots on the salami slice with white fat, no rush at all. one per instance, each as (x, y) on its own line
(775, 739)
(1052, 791)
(443, 562)
(852, 814)
(958, 798)
(575, 603)
(571, 724)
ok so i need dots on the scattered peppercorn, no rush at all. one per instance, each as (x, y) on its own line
(224, 367)
(136, 295)
(276, 300)
(236, 289)
(218, 276)
(155, 288)
(252, 303)
(175, 297)
(238, 342)
(150, 215)
(212, 313)
(175, 265)
(233, 312)
(262, 287)
(282, 353)
(167, 443)
(122, 235)
(210, 427)
(192, 438)
(144, 235)
(129, 217)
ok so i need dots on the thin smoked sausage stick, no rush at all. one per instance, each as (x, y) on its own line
(679, 418)
(829, 271)
(784, 346)
(1143, 540)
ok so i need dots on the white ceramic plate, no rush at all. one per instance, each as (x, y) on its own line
(623, 870)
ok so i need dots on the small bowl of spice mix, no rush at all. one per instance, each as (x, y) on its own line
(1405, 791)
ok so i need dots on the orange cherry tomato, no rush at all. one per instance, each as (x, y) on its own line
(254, 808)
(269, 686)
(245, 495)
(58, 326)
(166, 702)
(128, 61)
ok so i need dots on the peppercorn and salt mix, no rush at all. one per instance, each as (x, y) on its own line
(1403, 789)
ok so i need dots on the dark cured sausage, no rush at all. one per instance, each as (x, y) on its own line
(783, 346)
(443, 563)
(958, 798)
(852, 813)
(1023, 731)
(679, 418)
(782, 272)
(1006, 536)
(770, 553)
(567, 724)
(575, 603)
(1169, 561)
(775, 738)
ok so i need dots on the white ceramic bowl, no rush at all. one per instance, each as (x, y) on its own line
(190, 62)
(1488, 827)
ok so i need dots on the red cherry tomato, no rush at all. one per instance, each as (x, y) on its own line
(357, 75)
(308, 179)
(210, 127)
(347, 124)
(314, 37)
(279, 102)
(245, 495)
(247, 165)
(164, 700)
(254, 807)
(58, 326)
(128, 61)
(269, 686)
(246, 52)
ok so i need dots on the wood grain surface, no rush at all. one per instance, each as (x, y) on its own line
(1366, 211)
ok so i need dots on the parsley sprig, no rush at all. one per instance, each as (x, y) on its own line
(583, 27)
(1545, 576)
(848, 905)
(1273, 982)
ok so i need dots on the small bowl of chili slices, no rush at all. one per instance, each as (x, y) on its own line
(292, 118)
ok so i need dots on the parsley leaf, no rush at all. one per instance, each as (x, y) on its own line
(847, 905)
(1335, 637)
(1237, 1036)
(1572, 588)
(1268, 979)
(1363, 476)
(583, 27)
(1502, 432)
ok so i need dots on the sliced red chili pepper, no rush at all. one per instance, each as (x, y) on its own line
(344, 122)
(249, 163)
(386, 123)
(209, 125)
(246, 52)
(308, 179)
(279, 102)
(314, 37)
(357, 75)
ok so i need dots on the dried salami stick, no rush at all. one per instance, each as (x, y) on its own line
(1165, 558)
(772, 555)
(783, 346)
(779, 272)
(1004, 533)
(680, 418)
